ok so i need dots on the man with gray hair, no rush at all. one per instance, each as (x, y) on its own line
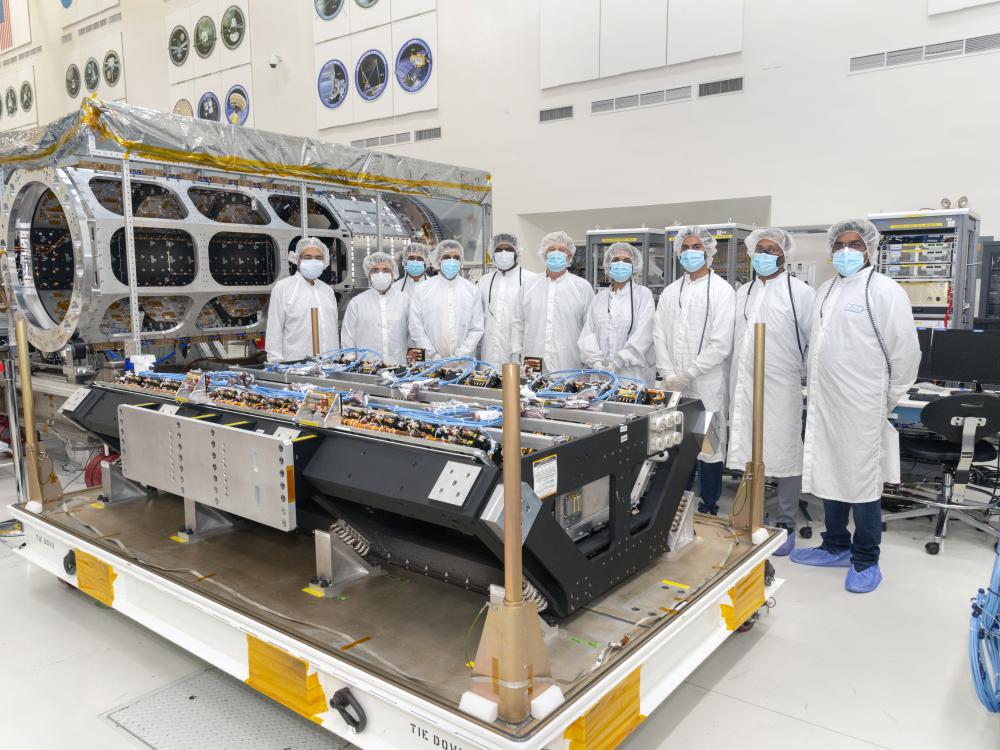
(288, 336)
(552, 309)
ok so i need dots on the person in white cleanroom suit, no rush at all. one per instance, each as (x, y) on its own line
(693, 339)
(289, 314)
(499, 291)
(415, 259)
(378, 318)
(446, 316)
(552, 308)
(784, 304)
(618, 330)
(863, 356)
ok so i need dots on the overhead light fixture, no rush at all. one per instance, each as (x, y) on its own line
(946, 203)
(963, 202)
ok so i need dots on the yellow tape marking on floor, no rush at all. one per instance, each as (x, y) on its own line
(681, 586)
(95, 578)
(285, 678)
(313, 592)
(610, 721)
(358, 642)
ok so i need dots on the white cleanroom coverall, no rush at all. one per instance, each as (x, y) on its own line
(618, 332)
(693, 338)
(446, 318)
(288, 335)
(379, 322)
(499, 292)
(850, 448)
(780, 303)
(549, 318)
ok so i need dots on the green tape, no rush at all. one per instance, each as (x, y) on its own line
(585, 642)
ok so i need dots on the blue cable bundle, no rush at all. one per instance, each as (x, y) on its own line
(984, 641)
(430, 368)
(454, 416)
(559, 377)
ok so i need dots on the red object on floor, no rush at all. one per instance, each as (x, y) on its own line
(92, 472)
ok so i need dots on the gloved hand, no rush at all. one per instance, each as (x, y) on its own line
(677, 383)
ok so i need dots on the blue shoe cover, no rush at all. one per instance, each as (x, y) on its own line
(865, 581)
(821, 558)
(787, 546)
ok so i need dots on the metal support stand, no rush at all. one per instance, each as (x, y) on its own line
(337, 565)
(511, 666)
(135, 345)
(41, 484)
(201, 521)
(115, 488)
(748, 506)
(13, 425)
(314, 319)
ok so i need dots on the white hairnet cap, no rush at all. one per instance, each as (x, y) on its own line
(372, 258)
(863, 227)
(556, 238)
(619, 248)
(503, 238)
(307, 242)
(779, 237)
(695, 231)
(415, 248)
(443, 246)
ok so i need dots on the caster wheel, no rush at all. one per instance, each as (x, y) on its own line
(885, 526)
(806, 532)
(932, 548)
(747, 626)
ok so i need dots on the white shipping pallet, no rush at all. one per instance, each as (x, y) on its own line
(396, 717)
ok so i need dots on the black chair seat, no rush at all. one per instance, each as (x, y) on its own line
(943, 451)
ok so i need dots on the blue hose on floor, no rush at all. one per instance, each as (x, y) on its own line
(984, 641)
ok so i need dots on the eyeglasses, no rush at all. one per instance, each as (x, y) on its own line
(852, 245)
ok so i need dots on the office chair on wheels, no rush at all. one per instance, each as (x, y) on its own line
(960, 425)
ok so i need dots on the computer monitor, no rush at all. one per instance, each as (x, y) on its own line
(961, 356)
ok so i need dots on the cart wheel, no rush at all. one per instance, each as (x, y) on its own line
(932, 548)
(748, 625)
(806, 532)
(885, 526)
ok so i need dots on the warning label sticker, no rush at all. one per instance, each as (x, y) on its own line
(545, 472)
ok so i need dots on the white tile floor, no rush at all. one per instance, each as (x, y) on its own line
(825, 669)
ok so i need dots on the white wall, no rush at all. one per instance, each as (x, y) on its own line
(821, 143)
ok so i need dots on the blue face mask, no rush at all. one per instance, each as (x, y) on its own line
(764, 264)
(620, 271)
(415, 267)
(848, 262)
(450, 268)
(556, 261)
(692, 260)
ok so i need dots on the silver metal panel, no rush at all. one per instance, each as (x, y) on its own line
(73, 401)
(454, 483)
(493, 512)
(210, 710)
(232, 470)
